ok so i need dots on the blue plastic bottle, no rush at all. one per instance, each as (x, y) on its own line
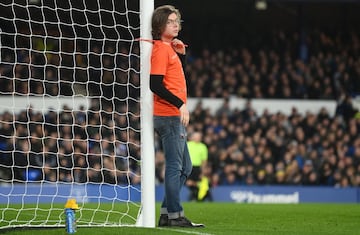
(70, 221)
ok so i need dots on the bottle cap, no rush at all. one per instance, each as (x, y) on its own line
(71, 204)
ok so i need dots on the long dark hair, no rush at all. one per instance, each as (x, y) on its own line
(159, 19)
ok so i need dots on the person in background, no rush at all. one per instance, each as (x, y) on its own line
(171, 115)
(199, 155)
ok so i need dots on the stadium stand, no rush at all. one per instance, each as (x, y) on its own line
(245, 147)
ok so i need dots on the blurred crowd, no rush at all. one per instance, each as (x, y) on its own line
(326, 67)
(84, 146)
(102, 144)
(247, 148)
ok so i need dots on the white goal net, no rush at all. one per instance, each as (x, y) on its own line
(70, 120)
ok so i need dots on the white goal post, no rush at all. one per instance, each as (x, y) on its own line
(147, 216)
(76, 113)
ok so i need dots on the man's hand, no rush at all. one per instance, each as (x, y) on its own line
(184, 115)
(178, 46)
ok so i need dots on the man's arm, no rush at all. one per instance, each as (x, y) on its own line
(183, 60)
(157, 86)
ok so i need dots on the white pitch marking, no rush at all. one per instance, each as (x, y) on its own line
(185, 231)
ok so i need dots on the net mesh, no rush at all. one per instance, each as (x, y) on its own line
(69, 111)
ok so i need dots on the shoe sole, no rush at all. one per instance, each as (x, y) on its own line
(193, 225)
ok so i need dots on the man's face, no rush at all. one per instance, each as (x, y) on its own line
(172, 27)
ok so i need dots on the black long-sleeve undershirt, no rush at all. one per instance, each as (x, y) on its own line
(182, 59)
(157, 86)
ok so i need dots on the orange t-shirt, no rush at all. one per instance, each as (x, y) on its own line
(165, 61)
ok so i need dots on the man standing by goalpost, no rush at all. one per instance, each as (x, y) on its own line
(171, 116)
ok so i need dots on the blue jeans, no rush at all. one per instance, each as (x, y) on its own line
(177, 162)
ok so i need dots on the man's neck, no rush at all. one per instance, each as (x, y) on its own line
(166, 40)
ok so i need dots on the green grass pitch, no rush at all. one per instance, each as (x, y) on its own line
(219, 218)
